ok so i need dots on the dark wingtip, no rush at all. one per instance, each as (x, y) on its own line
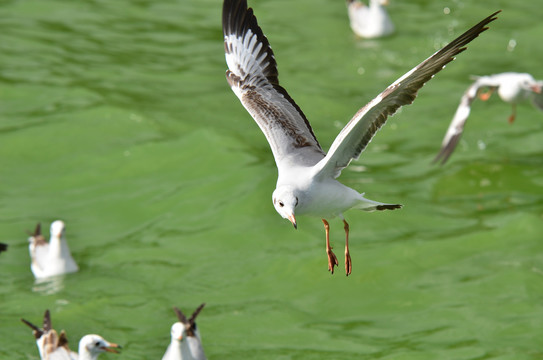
(37, 332)
(34, 327)
(182, 318)
(195, 313)
(447, 150)
(37, 231)
(47, 321)
(441, 158)
(464, 39)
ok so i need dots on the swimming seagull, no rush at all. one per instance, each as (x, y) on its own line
(186, 343)
(306, 183)
(511, 87)
(53, 346)
(369, 21)
(50, 258)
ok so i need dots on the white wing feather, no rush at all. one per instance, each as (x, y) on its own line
(252, 74)
(356, 135)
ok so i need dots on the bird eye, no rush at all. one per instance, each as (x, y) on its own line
(97, 344)
(296, 202)
(281, 204)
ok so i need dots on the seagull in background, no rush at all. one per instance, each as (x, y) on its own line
(50, 258)
(307, 183)
(512, 88)
(369, 21)
(53, 346)
(186, 343)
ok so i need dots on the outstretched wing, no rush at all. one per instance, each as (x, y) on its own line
(454, 132)
(356, 135)
(252, 74)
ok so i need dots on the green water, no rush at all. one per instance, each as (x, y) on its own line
(115, 117)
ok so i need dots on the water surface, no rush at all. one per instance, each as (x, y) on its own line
(116, 117)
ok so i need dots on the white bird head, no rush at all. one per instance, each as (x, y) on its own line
(95, 345)
(527, 82)
(285, 201)
(178, 331)
(57, 228)
(515, 87)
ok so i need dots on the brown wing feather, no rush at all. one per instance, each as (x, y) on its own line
(36, 331)
(253, 77)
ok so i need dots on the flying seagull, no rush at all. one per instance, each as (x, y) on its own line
(186, 343)
(53, 346)
(369, 21)
(306, 182)
(511, 87)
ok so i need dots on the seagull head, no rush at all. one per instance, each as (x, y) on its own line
(537, 87)
(178, 331)
(57, 229)
(528, 83)
(285, 201)
(95, 344)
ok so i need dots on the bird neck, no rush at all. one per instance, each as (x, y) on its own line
(58, 246)
(179, 349)
(85, 354)
(55, 244)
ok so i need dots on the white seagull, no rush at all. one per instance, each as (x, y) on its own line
(512, 88)
(53, 346)
(306, 183)
(186, 343)
(369, 21)
(50, 258)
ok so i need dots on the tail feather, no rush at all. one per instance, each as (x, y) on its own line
(388, 207)
(370, 205)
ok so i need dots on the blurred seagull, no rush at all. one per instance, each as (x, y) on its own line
(369, 21)
(53, 346)
(53, 257)
(186, 343)
(306, 183)
(48, 340)
(511, 87)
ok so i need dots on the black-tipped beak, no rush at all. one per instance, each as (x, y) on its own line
(112, 348)
(293, 221)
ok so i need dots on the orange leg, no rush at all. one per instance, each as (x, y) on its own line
(332, 259)
(486, 95)
(348, 264)
(513, 114)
